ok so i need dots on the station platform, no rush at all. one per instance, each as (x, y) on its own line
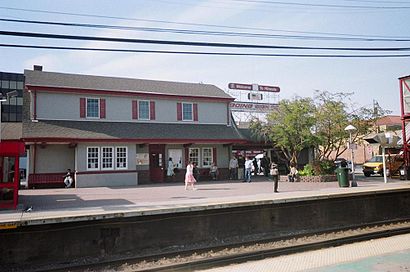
(51, 206)
(385, 254)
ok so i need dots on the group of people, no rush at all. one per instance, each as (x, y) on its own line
(269, 168)
(192, 172)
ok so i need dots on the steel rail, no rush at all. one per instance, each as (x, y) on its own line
(212, 262)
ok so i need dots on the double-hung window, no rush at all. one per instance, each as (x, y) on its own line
(207, 156)
(143, 110)
(107, 158)
(121, 157)
(93, 108)
(93, 158)
(187, 112)
(194, 155)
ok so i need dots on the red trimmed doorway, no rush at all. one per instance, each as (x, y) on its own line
(157, 165)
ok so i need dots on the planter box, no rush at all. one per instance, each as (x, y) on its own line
(324, 178)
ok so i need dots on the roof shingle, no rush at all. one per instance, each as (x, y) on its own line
(62, 80)
(82, 130)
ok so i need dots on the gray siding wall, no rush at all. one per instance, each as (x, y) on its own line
(107, 179)
(82, 154)
(60, 106)
(104, 179)
(52, 158)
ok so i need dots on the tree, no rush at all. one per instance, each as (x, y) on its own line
(334, 111)
(320, 122)
(289, 127)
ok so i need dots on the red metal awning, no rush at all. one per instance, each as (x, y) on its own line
(12, 148)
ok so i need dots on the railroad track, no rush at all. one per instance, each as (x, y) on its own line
(183, 261)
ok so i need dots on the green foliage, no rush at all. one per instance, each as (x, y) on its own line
(317, 123)
(289, 127)
(323, 167)
(307, 171)
(318, 168)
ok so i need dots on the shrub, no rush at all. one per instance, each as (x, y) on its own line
(324, 167)
(307, 171)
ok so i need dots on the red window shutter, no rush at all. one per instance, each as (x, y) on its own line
(82, 107)
(214, 155)
(102, 108)
(186, 155)
(134, 109)
(152, 110)
(195, 110)
(179, 111)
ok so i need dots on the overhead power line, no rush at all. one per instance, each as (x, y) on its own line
(193, 24)
(196, 44)
(322, 5)
(208, 33)
(204, 53)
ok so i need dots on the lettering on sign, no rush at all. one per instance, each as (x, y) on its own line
(255, 87)
(241, 106)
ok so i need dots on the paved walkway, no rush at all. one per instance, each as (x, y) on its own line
(386, 254)
(79, 204)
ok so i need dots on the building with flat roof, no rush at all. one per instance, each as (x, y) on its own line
(11, 110)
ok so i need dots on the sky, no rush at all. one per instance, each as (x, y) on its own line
(368, 78)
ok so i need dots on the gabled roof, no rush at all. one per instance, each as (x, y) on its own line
(59, 131)
(389, 120)
(11, 131)
(102, 83)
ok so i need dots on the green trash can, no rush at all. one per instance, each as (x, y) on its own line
(342, 174)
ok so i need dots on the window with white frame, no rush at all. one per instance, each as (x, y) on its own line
(143, 110)
(187, 112)
(121, 157)
(207, 156)
(107, 158)
(194, 155)
(93, 108)
(93, 158)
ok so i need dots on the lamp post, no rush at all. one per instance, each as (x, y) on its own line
(4, 99)
(351, 129)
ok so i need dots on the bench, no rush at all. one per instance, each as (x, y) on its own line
(48, 180)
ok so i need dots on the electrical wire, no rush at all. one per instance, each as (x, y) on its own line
(200, 44)
(208, 33)
(190, 24)
(204, 53)
(322, 5)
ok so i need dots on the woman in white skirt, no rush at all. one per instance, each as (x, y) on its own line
(189, 176)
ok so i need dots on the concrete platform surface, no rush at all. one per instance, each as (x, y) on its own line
(83, 204)
(386, 254)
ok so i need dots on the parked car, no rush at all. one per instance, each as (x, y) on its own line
(374, 166)
(342, 162)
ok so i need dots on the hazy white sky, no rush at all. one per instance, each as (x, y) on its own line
(368, 78)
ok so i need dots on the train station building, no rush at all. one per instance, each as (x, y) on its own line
(121, 131)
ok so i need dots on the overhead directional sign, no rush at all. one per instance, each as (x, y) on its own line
(253, 87)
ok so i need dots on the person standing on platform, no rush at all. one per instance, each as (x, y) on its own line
(248, 169)
(170, 168)
(241, 167)
(255, 167)
(233, 168)
(274, 172)
(189, 176)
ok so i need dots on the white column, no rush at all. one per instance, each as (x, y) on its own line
(384, 164)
